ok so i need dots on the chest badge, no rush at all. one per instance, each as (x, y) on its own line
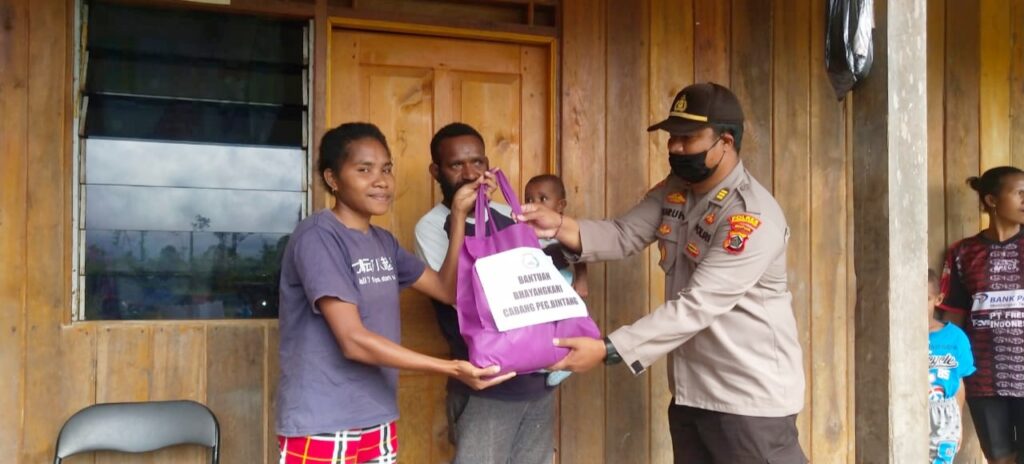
(709, 219)
(676, 198)
(665, 229)
(692, 249)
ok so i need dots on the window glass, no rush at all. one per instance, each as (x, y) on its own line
(194, 161)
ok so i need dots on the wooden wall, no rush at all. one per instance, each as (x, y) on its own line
(51, 367)
(622, 63)
(975, 119)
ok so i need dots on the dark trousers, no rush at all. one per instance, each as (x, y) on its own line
(700, 436)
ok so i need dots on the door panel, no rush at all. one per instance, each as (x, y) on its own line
(410, 86)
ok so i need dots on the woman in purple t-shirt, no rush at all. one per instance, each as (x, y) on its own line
(339, 311)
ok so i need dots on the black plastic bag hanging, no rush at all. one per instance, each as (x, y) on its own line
(848, 49)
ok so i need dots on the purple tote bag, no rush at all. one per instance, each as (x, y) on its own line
(522, 350)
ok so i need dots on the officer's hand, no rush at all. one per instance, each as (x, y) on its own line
(544, 220)
(547, 223)
(584, 354)
(474, 376)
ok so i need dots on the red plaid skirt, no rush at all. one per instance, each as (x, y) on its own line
(372, 445)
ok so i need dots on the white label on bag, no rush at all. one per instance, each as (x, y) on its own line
(524, 288)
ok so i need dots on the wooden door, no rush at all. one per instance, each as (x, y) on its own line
(410, 86)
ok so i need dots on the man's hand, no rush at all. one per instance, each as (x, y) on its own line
(584, 355)
(465, 198)
(473, 376)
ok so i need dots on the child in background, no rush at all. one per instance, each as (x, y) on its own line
(949, 361)
(548, 190)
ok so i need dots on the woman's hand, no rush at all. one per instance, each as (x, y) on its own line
(473, 376)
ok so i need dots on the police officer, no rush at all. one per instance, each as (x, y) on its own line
(727, 325)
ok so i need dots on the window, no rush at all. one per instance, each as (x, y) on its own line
(193, 161)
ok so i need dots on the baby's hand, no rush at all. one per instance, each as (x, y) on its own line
(581, 287)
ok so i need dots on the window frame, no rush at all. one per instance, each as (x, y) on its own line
(79, 67)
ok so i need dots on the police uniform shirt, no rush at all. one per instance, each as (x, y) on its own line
(727, 324)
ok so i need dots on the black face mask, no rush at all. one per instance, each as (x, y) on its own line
(692, 167)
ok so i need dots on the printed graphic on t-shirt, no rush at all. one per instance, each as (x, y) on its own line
(941, 370)
(986, 279)
(949, 361)
(374, 271)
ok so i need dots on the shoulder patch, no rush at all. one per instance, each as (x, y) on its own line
(722, 194)
(735, 242)
(744, 222)
(740, 227)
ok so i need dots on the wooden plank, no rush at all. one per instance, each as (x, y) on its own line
(284, 8)
(444, 113)
(830, 422)
(344, 105)
(124, 368)
(385, 49)
(752, 83)
(936, 127)
(14, 76)
(671, 69)
(179, 355)
(421, 400)
(582, 419)
(962, 103)
(77, 364)
(341, 106)
(271, 375)
(627, 407)
(1017, 83)
(322, 35)
(536, 79)
(179, 373)
(476, 95)
(451, 21)
(870, 191)
(791, 88)
(400, 101)
(45, 279)
(994, 94)
(851, 295)
(711, 40)
(234, 389)
(993, 134)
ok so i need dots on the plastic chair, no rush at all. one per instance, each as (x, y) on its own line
(139, 428)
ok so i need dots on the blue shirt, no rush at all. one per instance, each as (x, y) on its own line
(949, 360)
